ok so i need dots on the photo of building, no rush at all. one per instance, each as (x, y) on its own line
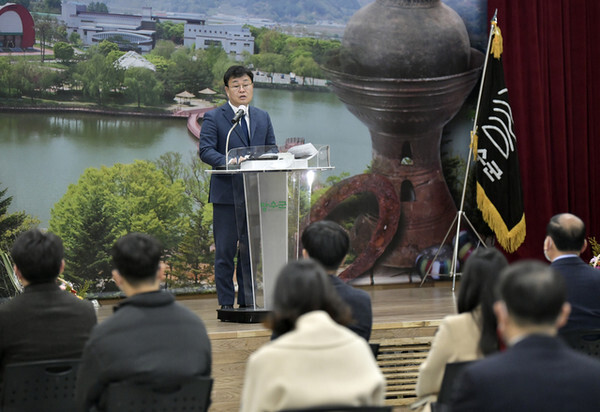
(138, 32)
(234, 39)
(16, 27)
(127, 30)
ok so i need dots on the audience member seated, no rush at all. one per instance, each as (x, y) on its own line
(472, 333)
(538, 372)
(150, 338)
(328, 243)
(315, 361)
(565, 241)
(44, 322)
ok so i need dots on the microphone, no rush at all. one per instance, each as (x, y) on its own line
(240, 113)
(236, 120)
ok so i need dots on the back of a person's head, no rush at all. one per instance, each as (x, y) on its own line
(479, 278)
(38, 255)
(567, 231)
(302, 286)
(533, 293)
(327, 243)
(137, 257)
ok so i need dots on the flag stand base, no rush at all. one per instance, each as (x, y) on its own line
(457, 219)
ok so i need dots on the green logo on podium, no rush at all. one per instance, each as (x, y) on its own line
(274, 205)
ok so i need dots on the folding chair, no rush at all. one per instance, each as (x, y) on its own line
(586, 341)
(451, 372)
(189, 395)
(40, 386)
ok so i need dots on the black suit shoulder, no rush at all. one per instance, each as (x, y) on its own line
(58, 298)
(575, 265)
(539, 373)
(583, 289)
(58, 325)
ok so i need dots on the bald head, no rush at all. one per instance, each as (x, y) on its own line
(567, 232)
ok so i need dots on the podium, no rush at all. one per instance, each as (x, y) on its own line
(272, 197)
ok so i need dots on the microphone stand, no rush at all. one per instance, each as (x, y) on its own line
(227, 142)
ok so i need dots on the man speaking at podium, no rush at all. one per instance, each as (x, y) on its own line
(254, 129)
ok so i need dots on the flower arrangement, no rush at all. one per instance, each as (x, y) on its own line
(68, 286)
(595, 260)
(6, 262)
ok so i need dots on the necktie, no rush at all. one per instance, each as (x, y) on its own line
(245, 130)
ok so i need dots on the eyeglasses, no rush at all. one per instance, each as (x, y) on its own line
(238, 87)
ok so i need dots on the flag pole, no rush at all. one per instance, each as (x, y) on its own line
(485, 63)
(461, 212)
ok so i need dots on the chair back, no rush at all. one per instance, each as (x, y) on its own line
(586, 341)
(375, 349)
(342, 409)
(40, 386)
(190, 395)
(451, 372)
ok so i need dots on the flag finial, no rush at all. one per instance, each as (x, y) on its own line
(497, 46)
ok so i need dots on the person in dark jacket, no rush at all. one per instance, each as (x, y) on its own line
(150, 338)
(538, 371)
(44, 322)
(229, 225)
(565, 241)
(327, 242)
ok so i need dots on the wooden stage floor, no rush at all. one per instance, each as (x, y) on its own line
(391, 304)
(405, 318)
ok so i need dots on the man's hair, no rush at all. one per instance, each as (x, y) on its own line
(38, 255)
(533, 292)
(327, 243)
(569, 237)
(301, 287)
(235, 72)
(137, 257)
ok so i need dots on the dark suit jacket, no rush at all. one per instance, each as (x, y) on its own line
(539, 373)
(213, 138)
(43, 323)
(583, 293)
(360, 304)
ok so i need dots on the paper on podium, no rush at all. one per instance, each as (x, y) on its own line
(303, 151)
(282, 161)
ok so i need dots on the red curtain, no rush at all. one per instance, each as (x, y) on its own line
(552, 68)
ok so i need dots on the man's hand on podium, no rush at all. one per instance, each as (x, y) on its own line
(238, 160)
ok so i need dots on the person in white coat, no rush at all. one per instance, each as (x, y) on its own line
(315, 361)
